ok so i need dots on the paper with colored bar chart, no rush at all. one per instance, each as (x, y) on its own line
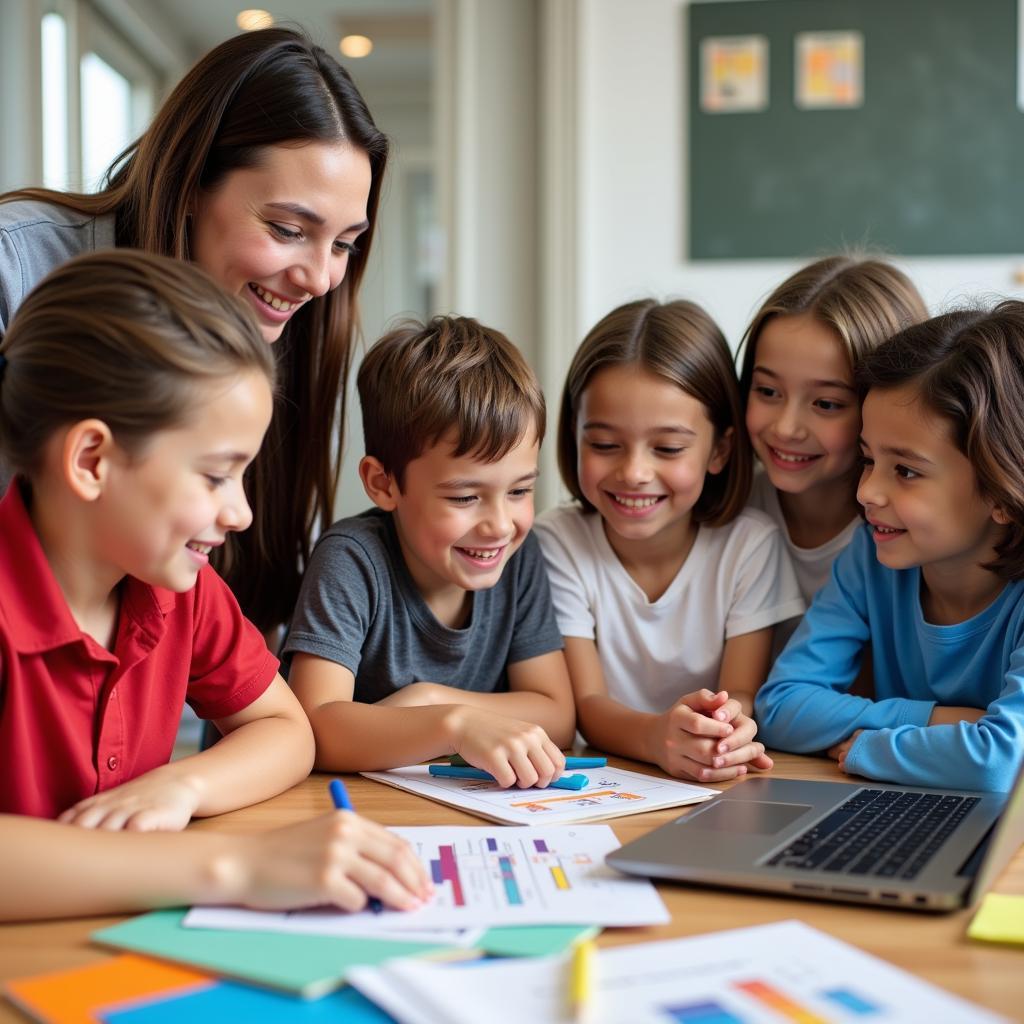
(611, 793)
(489, 877)
(783, 973)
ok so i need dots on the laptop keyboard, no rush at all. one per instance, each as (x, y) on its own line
(878, 832)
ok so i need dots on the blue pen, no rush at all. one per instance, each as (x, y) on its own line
(450, 771)
(342, 802)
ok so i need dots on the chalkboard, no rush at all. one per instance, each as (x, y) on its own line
(932, 163)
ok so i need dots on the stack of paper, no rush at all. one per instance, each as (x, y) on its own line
(764, 975)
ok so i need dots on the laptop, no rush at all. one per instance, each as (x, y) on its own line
(895, 846)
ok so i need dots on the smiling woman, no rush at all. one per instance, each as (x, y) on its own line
(263, 166)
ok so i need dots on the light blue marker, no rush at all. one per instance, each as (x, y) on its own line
(449, 771)
(570, 762)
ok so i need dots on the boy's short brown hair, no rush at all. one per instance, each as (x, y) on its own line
(452, 374)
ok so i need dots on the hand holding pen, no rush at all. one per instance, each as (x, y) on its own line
(381, 864)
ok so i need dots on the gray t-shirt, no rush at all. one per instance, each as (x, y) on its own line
(37, 237)
(360, 608)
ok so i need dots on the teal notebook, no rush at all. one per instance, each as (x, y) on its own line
(310, 965)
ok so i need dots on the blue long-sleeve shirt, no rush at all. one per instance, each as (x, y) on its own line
(805, 707)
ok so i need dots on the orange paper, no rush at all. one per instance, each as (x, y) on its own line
(73, 997)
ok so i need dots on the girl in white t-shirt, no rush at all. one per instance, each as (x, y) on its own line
(802, 410)
(666, 590)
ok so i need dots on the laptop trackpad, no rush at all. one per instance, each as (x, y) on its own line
(754, 817)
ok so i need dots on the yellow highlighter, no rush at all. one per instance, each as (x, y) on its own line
(581, 979)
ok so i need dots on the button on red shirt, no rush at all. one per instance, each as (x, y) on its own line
(59, 721)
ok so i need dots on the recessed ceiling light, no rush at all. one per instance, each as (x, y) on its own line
(356, 46)
(250, 20)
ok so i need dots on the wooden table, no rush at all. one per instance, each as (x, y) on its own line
(933, 947)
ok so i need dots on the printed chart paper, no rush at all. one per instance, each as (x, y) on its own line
(771, 974)
(612, 792)
(491, 876)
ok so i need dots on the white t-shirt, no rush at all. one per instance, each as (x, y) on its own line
(736, 579)
(812, 565)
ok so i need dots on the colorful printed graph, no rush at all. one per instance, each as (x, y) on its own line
(508, 877)
(852, 1002)
(445, 869)
(782, 1004)
(702, 1013)
(561, 882)
(712, 1012)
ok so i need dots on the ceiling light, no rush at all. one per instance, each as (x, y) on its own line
(249, 21)
(356, 46)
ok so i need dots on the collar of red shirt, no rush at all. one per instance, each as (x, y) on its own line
(38, 616)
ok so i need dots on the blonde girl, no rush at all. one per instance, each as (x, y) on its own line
(802, 409)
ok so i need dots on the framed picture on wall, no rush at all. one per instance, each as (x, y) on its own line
(829, 70)
(734, 74)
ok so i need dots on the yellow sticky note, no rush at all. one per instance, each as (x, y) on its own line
(1000, 918)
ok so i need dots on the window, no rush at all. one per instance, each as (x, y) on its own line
(55, 100)
(106, 117)
(98, 95)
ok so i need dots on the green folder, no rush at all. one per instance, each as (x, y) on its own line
(310, 965)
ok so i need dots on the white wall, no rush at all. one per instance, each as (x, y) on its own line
(21, 152)
(632, 182)
(406, 117)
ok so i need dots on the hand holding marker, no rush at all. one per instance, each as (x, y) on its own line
(457, 768)
(340, 797)
(570, 762)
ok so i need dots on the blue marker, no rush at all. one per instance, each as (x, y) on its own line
(570, 762)
(449, 771)
(340, 797)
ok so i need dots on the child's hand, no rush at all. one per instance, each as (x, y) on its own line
(840, 750)
(514, 752)
(706, 737)
(339, 858)
(154, 802)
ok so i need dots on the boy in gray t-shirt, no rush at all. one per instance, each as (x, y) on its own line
(424, 626)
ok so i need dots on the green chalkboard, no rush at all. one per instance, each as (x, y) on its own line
(932, 163)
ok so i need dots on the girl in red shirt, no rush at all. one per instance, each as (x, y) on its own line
(133, 395)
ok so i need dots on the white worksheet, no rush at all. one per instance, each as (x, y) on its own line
(612, 792)
(327, 921)
(768, 974)
(486, 877)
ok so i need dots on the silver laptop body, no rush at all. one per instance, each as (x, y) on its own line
(746, 838)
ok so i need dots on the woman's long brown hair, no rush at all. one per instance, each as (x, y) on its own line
(255, 90)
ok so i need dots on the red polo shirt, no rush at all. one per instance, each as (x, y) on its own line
(75, 718)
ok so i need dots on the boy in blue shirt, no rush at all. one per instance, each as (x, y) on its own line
(934, 580)
(424, 626)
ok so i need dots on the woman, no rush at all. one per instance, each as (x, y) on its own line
(264, 167)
